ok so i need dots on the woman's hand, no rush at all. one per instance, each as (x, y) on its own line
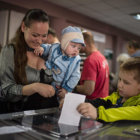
(45, 90)
(87, 110)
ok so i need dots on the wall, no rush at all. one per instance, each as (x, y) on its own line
(60, 18)
(3, 26)
(15, 21)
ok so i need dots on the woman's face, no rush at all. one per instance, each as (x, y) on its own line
(36, 34)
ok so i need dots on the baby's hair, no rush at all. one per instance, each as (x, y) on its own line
(132, 65)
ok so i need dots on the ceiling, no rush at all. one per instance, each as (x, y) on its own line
(113, 12)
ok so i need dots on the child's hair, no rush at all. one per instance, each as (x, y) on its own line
(132, 65)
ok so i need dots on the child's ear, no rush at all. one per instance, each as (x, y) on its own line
(139, 88)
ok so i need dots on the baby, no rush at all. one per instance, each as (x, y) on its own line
(64, 60)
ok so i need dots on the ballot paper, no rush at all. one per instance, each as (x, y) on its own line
(69, 114)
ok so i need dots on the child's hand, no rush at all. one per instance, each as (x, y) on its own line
(39, 51)
(88, 110)
(62, 92)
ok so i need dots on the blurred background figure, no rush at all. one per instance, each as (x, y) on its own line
(0, 82)
(133, 48)
(52, 37)
(83, 58)
(94, 81)
(122, 58)
(0, 47)
(114, 77)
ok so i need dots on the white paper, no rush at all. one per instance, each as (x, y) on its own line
(30, 112)
(69, 114)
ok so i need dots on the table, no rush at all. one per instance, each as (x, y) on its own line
(43, 125)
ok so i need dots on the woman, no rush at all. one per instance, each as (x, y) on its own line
(24, 79)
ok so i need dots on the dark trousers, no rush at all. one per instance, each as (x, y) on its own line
(33, 102)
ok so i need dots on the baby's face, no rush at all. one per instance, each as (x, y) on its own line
(73, 49)
(127, 85)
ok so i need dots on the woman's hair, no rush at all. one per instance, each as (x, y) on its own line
(132, 65)
(20, 46)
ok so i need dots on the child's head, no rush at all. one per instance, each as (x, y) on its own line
(72, 41)
(129, 78)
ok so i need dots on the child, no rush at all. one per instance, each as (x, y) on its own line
(121, 105)
(64, 60)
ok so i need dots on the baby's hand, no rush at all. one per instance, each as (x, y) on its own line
(88, 110)
(62, 92)
(39, 51)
